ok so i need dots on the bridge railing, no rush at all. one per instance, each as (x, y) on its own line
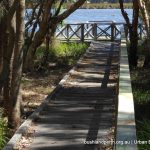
(88, 31)
(92, 30)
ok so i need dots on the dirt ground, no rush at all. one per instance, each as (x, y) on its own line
(36, 86)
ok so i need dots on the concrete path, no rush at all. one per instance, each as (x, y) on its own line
(83, 109)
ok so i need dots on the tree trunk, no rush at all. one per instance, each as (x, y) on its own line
(145, 12)
(14, 117)
(39, 36)
(8, 37)
(1, 47)
(133, 31)
(48, 19)
(49, 43)
(1, 52)
(147, 57)
(133, 58)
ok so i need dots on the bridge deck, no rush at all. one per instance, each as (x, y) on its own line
(84, 107)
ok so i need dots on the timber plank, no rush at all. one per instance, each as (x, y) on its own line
(83, 107)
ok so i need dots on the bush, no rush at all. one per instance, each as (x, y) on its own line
(143, 133)
(63, 53)
(3, 130)
(141, 93)
(67, 54)
(141, 85)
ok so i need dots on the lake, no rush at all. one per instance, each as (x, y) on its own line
(84, 15)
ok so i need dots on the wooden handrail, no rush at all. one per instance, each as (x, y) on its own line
(92, 30)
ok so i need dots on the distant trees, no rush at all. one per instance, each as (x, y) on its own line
(110, 1)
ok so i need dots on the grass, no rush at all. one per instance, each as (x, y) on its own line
(3, 131)
(141, 93)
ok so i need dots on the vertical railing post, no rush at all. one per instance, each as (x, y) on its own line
(67, 33)
(82, 32)
(112, 32)
(87, 27)
(95, 31)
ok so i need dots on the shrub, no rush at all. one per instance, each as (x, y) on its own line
(63, 53)
(67, 54)
(3, 130)
(143, 133)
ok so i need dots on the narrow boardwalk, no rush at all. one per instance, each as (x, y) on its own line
(84, 107)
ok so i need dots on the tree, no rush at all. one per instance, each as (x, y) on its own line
(133, 31)
(47, 23)
(13, 49)
(17, 66)
(13, 40)
(145, 13)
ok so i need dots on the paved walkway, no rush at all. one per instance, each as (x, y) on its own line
(83, 108)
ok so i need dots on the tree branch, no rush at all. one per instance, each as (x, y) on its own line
(60, 5)
(124, 13)
(72, 8)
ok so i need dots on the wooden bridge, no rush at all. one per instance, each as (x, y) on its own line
(93, 30)
(92, 107)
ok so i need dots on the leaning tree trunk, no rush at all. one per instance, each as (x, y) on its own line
(39, 36)
(48, 19)
(133, 58)
(14, 117)
(133, 31)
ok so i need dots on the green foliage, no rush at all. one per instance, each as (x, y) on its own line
(63, 53)
(141, 93)
(143, 134)
(141, 85)
(67, 54)
(3, 130)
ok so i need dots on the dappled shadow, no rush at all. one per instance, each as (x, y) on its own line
(78, 112)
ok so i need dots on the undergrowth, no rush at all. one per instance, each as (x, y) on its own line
(63, 53)
(143, 134)
(141, 93)
(3, 130)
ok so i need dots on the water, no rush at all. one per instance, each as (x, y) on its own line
(84, 15)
